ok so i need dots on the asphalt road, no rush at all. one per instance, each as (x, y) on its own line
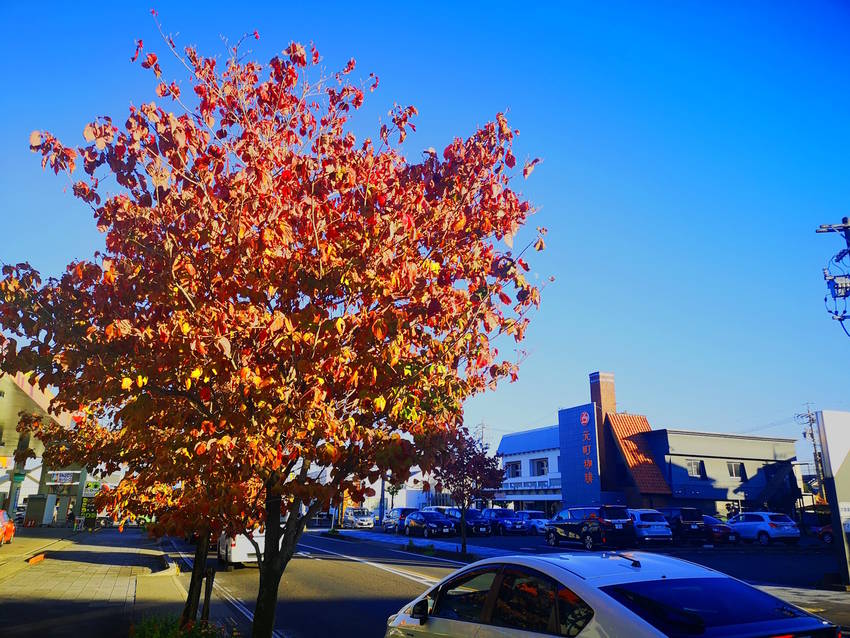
(334, 587)
(349, 588)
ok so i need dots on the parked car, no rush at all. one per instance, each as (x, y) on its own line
(593, 595)
(826, 535)
(716, 531)
(505, 521)
(476, 524)
(428, 524)
(765, 527)
(651, 526)
(394, 520)
(358, 518)
(444, 511)
(238, 549)
(536, 520)
(600, 525)
(686, 523)
(7, 528)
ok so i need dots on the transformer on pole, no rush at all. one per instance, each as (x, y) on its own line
(837, 275)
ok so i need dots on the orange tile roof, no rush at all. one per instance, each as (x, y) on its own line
(627, 429)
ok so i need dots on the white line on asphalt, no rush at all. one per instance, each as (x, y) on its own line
(237, 604)
(440, 560)
(398, 551)
(419, 578)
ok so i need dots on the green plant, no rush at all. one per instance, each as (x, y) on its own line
(169, 627)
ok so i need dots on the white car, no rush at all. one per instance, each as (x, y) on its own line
(651, 526)
(598, 595)
(536, 520)
(358, 518)
(765, 527)
(238, 549)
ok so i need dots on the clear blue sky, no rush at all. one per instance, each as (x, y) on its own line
(690, 150)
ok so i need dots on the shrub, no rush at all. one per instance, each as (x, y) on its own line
(169, 627)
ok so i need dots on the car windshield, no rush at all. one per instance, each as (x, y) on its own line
(651, 517)
(615, 513)
(690, 606)
(504, 514)
(779, 518)
(535, 515)
(473, 515)
(433, 516)
(359, 512)
(691, 515)
(711, 520)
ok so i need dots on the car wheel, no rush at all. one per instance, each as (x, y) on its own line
(827, 538)
(552, 539)
(588, 542)
(764, 539)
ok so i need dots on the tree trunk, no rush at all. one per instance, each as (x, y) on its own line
(271, 568)
(190, 609)
(264, 612)
(463, 531)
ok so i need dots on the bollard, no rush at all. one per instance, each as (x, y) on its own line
(208, 586)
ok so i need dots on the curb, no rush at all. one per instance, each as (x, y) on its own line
(169, 566)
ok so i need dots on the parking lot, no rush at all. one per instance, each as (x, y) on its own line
(808, 564)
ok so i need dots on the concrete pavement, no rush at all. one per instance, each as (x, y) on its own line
(91, 584)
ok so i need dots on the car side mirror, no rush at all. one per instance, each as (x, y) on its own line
(420, 611)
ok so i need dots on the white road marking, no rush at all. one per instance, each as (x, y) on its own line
(398, 551)
(419, 578)
(237, 604)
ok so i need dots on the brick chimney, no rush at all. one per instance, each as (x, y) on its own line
(602, 392)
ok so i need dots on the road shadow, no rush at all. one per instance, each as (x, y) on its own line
(357, 617)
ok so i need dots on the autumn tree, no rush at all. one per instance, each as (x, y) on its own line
(282, 310)
(466, 472)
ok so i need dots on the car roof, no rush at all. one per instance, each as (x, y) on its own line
(600, 569)
(644, 510)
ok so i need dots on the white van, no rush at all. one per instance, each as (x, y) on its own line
(232, 550)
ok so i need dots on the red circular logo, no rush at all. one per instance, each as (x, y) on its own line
(585, 418)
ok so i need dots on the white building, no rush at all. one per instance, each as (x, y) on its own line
(532, 464)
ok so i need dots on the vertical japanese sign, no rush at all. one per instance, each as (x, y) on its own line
(579, 456)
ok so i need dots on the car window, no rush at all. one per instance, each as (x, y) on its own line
(463, 597)
(751, 518)
(691, 515)
(652, 517)
(573, 612)
(695, 606)
(525, 601)
(780, 518)
(614, 513)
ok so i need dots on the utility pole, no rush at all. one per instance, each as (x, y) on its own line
(838, 283)
(481, 426)
(808, 420)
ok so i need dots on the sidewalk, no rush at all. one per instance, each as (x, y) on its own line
(90, 584)
(832, 605)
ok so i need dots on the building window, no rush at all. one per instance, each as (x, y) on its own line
(539, 467)
(559, 462)
(513, 470)
(736, 469)
(695, 468)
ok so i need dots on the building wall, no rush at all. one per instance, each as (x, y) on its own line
(761, 458)
(527, 491)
